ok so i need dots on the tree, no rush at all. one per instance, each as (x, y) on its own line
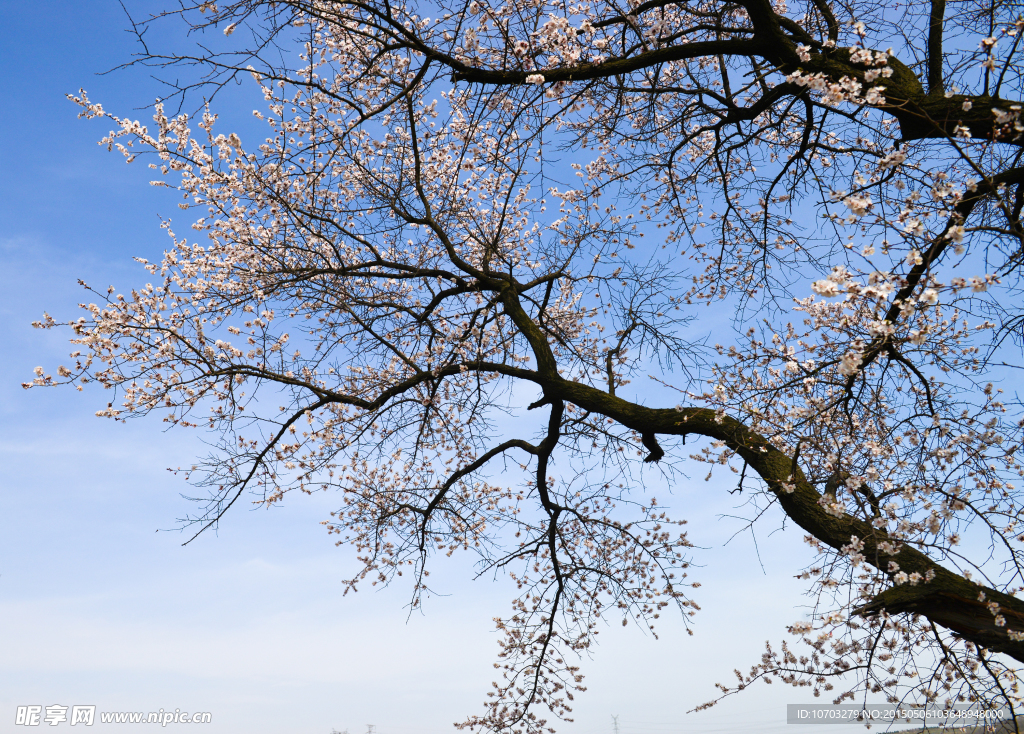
(456, 205)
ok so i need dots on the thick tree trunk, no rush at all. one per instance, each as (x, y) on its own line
(948, 599)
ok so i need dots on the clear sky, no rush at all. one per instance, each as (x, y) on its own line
(250, 624)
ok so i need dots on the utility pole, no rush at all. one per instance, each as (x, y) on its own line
(615, 724)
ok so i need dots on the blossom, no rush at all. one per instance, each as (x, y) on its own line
(874, 96)
(881, 327)
(850, 363)
(829, 503)
(914, 226)
(888, 548)
(892, 159)
(859, 204)
(825, 288)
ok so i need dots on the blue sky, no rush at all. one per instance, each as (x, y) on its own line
(96, 607)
